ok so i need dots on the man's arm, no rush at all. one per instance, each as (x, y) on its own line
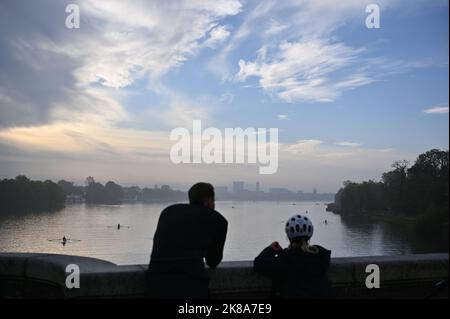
(218, 236)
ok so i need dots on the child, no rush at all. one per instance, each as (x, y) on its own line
(299, 271)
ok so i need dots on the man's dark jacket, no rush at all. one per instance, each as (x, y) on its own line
(186, 235)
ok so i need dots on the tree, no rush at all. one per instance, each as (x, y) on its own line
(113, 193)
(21, 195)
(428, 180)
(395, 183)
(89, 180)
(96, 193)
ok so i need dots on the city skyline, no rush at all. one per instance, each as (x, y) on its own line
(246, 186)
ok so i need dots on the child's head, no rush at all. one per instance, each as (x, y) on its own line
(299, 228)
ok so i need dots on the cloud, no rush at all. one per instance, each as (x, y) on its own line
(149, 39)
(49, 70)
(220, 64)
(275, 28)
(81, 140)
(179, 114)
(217, 36)
(348, 144)
(319, 150)
(62, 91)
(226, 97)
(303, 146)
(322, 163)
(299, 58)
(436, 110)
(283, 117)
(65, 150)
(303, 71)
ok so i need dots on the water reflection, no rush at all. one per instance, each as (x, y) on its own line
(252, 226)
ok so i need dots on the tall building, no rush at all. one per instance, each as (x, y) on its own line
(221, 190)
(238, 187)
(257, 187)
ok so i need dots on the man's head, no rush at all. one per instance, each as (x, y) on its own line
(202, 194)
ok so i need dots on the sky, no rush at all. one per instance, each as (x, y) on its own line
(102, 99)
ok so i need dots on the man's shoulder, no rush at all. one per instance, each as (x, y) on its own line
(203, 211)
(213, 216)
(179, 206)
(219, 217)
(174, 209)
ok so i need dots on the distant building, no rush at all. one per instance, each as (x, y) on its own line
(131, 194)
(257, 187)
(279, 191)
(238, 187)
(74, 199)
(220, 190)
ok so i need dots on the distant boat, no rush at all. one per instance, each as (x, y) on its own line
(64, 240)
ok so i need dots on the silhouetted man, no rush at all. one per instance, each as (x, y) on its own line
(186, 235)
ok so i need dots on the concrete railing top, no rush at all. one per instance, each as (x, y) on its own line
(99, 278)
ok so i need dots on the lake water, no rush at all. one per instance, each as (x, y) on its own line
(252, 226)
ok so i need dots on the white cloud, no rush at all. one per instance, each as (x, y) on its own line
(90, 105)
(348, 144)
(180, 114)
(142, 38)
(226, 97)
(303, 146)
(86, 139)
(217, 36)
(318, 150)
(302, 60)
(283, 117)
(275, 27)
(303, 71)
(437, 110)
(220, 64)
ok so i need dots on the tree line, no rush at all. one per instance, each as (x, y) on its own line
(419, 191)
(113, 194)
(21, 195)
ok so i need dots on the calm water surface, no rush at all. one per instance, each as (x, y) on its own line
(252, 226)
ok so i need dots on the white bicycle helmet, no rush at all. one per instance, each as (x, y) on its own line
(299, 226)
